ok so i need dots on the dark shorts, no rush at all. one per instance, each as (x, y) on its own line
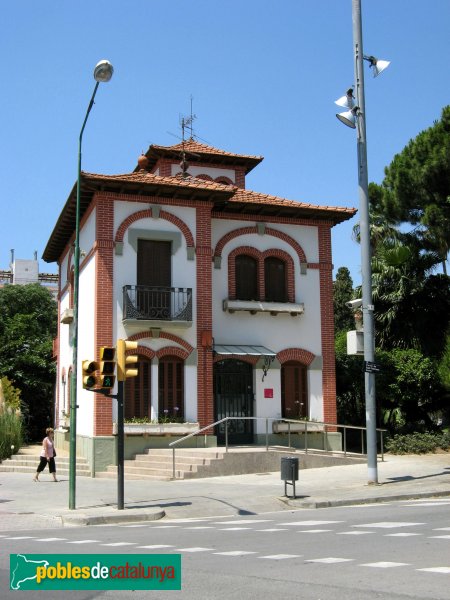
(43, 464)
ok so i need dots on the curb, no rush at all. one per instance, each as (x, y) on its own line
(351, 501)
(84, 519)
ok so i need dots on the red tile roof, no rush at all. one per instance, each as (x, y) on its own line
(250, 197)
(149, 179)
(201, 153)
(226, 199)
(197, 147)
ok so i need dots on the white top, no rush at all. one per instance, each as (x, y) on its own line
(48, 450)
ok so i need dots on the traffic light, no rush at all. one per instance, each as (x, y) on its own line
(107, 366)
(123, 360)
(90, 380)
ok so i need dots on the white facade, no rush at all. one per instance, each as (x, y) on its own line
(184, 360)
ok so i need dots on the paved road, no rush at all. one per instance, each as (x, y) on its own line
(392, 551)
(44, 504)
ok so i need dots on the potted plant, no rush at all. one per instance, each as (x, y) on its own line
(166, 424)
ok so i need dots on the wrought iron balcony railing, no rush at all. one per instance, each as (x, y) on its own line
(144, 302)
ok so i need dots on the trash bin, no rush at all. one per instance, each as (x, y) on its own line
(289, 472)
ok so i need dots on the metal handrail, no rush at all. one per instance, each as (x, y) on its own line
(189, 435)
(288, 421)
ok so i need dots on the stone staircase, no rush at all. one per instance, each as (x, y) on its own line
(157, 464)
(190, 463)
(27, 460)
(193, 463)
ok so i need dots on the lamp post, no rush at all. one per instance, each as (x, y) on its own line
(356, 119)
(102, 73)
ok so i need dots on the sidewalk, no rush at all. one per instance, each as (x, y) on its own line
(25, 504)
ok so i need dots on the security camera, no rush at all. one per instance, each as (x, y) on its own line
(354, 304)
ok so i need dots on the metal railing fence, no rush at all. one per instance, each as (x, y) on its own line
(306, 427)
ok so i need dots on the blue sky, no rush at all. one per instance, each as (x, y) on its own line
(263, 76)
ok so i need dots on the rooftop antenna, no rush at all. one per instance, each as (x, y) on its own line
(186, 123)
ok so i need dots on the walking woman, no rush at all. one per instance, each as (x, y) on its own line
(48, 454)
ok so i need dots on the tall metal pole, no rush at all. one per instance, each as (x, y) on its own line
(366, 268)
(76, 285)
(120, 445)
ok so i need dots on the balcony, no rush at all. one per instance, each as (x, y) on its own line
(157, 306)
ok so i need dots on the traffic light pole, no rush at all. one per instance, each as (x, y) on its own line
(120, 445)
(122, 374)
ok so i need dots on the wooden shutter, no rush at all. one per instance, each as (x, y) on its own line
(246, 268)
(275, 280)
(154, 263)
(138, 392)
(171, 387)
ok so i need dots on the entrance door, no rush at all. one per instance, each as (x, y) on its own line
(154, 276)
(294, 391)
(233, 397)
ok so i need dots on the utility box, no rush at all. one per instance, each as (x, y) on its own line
(355, 343)
(289, 472)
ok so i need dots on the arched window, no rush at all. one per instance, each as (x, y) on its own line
(138, 391)
(275, 280)
(246, 268)
(171, 388)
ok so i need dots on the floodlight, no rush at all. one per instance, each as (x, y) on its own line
(378, 65)
(347, 100)
(349, 117)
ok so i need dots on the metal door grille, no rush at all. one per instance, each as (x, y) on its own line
(233, 397)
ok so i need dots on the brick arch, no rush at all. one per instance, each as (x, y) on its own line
(142, 351)
(289, 262)
(172, 351)
(249, 250)
(204, 176)
(260, 257)
(299, 354)
(164, 335)
(268, 231)
(148, 213)
(224, 180)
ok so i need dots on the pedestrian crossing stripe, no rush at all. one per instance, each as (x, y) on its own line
(385, 565)
(436, 570)
(329, 560)
(281, 556)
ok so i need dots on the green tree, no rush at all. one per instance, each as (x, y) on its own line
(349, 384)
(382, 227)
(444, 365)
(27, 328)
(9, 394)
(410, 302)
(409, 393)
(342, 293)
(416, 188)
(11, 420)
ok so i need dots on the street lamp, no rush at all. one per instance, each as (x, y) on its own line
(355, 117)
(102, 73)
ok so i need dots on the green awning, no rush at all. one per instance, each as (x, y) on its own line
(228, 349)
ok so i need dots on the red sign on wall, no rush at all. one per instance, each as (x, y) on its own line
(268, 392)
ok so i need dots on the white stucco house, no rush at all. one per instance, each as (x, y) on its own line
(227, 291)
